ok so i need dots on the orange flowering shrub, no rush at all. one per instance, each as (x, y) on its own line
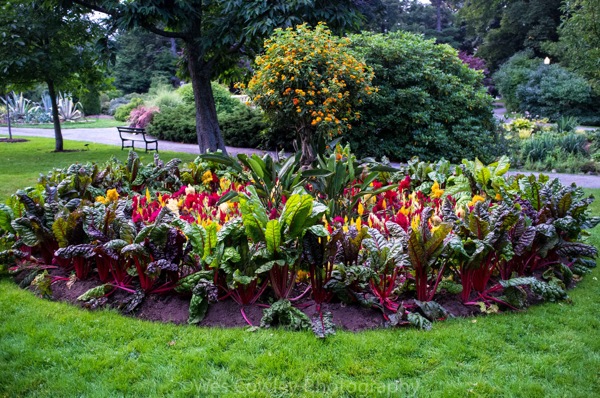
(309, 78)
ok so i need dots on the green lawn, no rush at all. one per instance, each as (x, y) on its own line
(86, 124)
(22, 162)
(51, 349)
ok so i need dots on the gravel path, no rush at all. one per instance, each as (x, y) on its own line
(110, 136)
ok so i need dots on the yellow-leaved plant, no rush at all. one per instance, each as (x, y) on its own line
(307, 78)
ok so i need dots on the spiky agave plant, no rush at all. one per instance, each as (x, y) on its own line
(68, 110)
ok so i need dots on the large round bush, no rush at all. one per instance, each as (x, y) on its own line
(175, 124)
(240, 125)
(514, 73)
(553, 91)
(429, 104)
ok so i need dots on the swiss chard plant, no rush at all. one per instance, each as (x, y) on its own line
(426, 243)
(156, 253)
(281, 237)
(387, 257)
(482, 243)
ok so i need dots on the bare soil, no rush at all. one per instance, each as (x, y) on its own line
(174, 308)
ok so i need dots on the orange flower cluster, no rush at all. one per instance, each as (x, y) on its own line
(309, 76)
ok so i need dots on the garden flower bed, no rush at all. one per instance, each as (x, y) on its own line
(248, 240)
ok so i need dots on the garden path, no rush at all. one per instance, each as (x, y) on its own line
(109, 136)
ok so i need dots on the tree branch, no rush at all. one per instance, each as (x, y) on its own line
(161, 32)
(93, 6)
(236, 47)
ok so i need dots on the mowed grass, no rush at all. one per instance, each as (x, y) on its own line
(88, 123)
(21, 163)
(50, 349)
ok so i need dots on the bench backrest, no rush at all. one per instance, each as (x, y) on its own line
(131, 130)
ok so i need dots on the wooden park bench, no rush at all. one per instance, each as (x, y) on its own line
(131, 135)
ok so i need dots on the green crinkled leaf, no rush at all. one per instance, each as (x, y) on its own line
(432, 310)
(515, 296)
(59, 228)
(42, 283)
(482, 174)
(6, 217)
(273, 236)
(133, 250)
(416, 251)
(319, 230)
(231, 254)
(26, 230)
(502, 166)
(241, 279)
(95, 292)
(116, 244)
(282, 314)
(549, 291)
(196, 235)
(580, 270)
(127, 231)
(187, 283)
(435, 245)
(198, 309)
(520, 281)
(564, 204)
(266, 267)
(254, 218)
(419, 321)
(449, 286)
(295, 214)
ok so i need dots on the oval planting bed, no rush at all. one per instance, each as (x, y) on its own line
(347, 244)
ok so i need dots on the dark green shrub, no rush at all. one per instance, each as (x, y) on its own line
(186, 93)
(514, 73)
(430, 104)
(554, 92)
(240, 125)
(223, 100)
(243, 127)
(123, 111)
(175, 124)
(90, 101)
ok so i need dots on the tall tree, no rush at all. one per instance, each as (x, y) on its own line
(214, 34)
(435, 20)
(142, 56)
(48, 45)
(579, 44)
(501, 28)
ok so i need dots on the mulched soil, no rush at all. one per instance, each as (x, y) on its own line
(174, 308)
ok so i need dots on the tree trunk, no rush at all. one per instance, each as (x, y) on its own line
(58, 147)
(174, 48)
(308, 152)
(438, 26)
(8, 119)
(207, 125)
